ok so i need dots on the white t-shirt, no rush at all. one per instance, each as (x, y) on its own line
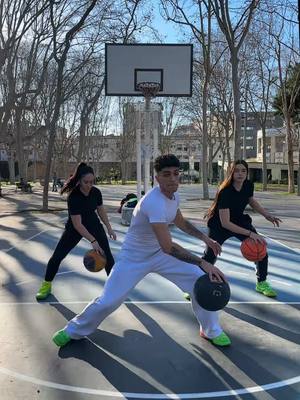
(154, 207)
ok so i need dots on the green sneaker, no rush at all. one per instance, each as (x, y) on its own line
(265, 289)
(44, 291)
(222, 340)
(61, 338)
(187, 296)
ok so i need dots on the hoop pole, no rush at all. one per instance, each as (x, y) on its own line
(155, 144)
(138, 157)
(147, 144)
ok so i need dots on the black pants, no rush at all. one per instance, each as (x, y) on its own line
(220, 235)
(69, 239)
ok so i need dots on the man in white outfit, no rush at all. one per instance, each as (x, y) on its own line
(148, 247)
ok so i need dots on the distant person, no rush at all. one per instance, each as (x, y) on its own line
(270, 177)
(226, 219)
(149, 248)
(85, 204)
(54, 183)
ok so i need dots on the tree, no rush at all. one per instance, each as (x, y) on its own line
(199, 24)
(287, 104)
(235, 36)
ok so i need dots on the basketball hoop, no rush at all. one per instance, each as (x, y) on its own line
(149, 89)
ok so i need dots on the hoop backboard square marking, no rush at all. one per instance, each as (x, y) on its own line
(148, 75)
(124, 62)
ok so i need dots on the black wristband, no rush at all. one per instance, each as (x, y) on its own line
(92, 241)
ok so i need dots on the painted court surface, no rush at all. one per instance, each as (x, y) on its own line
(150, 347)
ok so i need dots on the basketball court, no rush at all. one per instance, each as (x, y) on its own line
(150, 347)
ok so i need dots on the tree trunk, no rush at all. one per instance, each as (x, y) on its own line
(210, 160)
(20, 147)
(291, 184)
(298, 175)
(236, 104)
(82, 136)
(204, 141)
(123, 172)
(264, 160)
(11, 166)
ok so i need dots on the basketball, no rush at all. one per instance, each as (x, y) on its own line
(94, 261)
(253, 251)
(212, 296)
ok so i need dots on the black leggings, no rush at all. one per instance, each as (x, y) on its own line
(69, 239)
(220, 235)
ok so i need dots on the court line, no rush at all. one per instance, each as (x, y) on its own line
(108, 393)
(297, 251)
(35, 303)
(34, 279)
(28, 239)
(281, 282)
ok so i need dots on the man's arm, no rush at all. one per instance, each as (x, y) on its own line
(187, 227)
(164, 238)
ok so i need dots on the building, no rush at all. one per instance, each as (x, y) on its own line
(251, 126)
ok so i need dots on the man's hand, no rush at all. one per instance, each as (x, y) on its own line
(275, 221)
(215, 275)
(215, 246)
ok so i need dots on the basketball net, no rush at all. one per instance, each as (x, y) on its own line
(149, 89)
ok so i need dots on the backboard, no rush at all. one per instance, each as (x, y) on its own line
(127, 65)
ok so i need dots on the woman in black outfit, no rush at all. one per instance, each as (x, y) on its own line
(226, 218)
(84, 200)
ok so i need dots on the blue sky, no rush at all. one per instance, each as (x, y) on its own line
(167, 30)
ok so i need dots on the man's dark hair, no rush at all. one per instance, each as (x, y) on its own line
(166, 160)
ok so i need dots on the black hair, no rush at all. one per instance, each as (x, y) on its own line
(81, 170)
(166, 160)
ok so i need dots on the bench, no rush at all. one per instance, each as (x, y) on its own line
(24, 187)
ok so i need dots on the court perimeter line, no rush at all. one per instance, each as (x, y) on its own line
(204, 395)
(297, 251)
(36, 303)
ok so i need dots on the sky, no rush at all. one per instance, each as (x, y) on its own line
(168, 31)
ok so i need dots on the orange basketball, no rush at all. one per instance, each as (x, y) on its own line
(253, 251)
(94, 261)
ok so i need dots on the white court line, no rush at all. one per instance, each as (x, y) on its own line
(36, 303)
(126, 395)
(281, 282)
(239, 273)
(34, 279)
(297, 251)
(27, 240)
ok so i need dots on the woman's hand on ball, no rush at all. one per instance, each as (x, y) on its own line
(97, 247)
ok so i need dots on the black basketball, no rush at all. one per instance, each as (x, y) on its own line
(211, 296)
(94, 261)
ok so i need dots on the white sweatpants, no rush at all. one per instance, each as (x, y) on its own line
(125, 275)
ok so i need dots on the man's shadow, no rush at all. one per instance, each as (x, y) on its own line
(150, 362)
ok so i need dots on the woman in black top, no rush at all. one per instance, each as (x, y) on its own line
(226, 218)
(83, 201)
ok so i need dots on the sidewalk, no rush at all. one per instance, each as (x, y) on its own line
(13, 201)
